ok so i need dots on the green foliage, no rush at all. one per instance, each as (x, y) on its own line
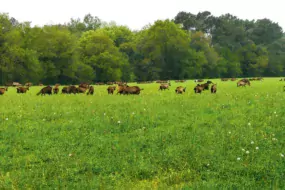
(189, 46)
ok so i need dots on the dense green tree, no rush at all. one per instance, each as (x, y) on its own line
(189, 46)
(98, 50)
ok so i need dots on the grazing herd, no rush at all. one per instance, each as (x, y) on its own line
(124, 89)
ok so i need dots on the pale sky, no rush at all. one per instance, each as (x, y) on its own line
(136, 14)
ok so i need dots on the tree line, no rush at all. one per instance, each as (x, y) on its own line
(188, 46)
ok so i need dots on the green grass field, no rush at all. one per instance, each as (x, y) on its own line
(157, 140)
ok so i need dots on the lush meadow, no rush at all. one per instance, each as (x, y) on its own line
(232, 139)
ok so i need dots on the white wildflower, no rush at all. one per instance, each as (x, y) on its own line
(238, 158)
(7, 119)
(119, 122)
(247, 152)
(251, 142)
(257, 148)
(282, 155)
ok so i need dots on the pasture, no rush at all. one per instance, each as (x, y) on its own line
(155, 140)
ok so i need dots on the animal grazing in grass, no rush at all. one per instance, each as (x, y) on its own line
(29, 84)
(91, 90)
(132, 90)
(56, 89)
(198, 89)
(121, 88)
(243, 83)
(164, 86)
(180, 90)
(111, 89)
(81, 90)
(3, 90)
(84, 85)
(22, 90)
(214, 88)
(45, 90)
(69, 89)
(205, 86)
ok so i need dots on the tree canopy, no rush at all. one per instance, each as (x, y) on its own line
(188, 46)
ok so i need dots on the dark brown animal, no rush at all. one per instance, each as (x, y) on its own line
(84, 85)
(22, 90)
(164, 86)
(69, 89)
(81, 90)
(45, 90)
(55, 89)
(243, 82)
(91, 90)
(111, 89)
(198, 89)
(214, 88)
(121, 88)
(180, 90)
(132, 90)
(29, 84)
(3, 90)
(205, 86)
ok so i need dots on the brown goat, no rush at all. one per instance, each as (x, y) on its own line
(22, 90)
(81, 90)
(180, 90)
(84, 85)
(132, 90)
(164, 86)
(69, 90)
(3, 90)
(121, 89)
(198, 89)
(214, 88)
(111, 89)
(45, 90)
(55, 89)
(243, 83)
(91, 90)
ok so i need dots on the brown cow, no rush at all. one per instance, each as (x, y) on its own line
(91, 90)
(164, 86)
(45, 90)
(214, 88)
(111, 89)
(180, 90)
(22, 90)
